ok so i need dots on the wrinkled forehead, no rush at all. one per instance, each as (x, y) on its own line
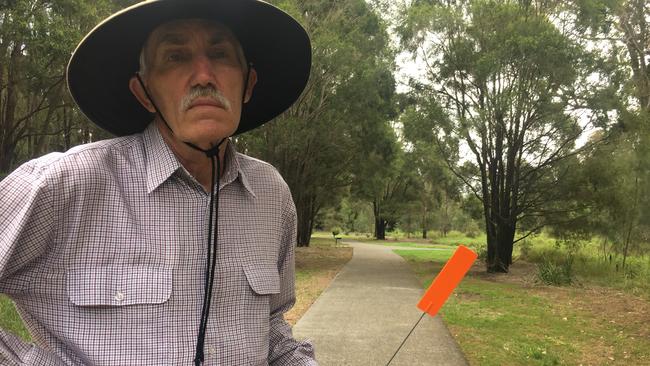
(179, 32)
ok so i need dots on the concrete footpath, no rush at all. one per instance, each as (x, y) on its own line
(366, 312)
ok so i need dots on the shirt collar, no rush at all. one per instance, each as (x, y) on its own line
(161, 163)
(234, 170)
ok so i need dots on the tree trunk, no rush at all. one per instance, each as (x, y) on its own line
(7, 119)
(380, 228)
(500, 245)
(6, 157)
(304, 233)
(380, 222)
(67, 130)
(631, 220)
(306, 210)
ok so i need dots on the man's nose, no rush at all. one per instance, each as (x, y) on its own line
(204, 71)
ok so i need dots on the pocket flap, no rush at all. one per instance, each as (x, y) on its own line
(119, 286)
(263, 278)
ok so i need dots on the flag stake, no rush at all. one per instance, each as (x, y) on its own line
(404, 341)
(443, 285)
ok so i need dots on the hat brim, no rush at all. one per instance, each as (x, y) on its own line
(100, 68)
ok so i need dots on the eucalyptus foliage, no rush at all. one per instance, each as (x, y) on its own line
(36, 40)
(337, 134)
(502, 85)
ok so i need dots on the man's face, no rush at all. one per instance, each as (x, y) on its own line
(188, 64)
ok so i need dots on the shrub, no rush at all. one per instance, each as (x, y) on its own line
(471, 234)
(433, 235)
(480, 249)
(632, 271)
(525, 247)
(551, 273)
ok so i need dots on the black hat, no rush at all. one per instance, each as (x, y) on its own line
(102, 65)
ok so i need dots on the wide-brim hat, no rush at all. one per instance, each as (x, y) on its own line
(100, 68)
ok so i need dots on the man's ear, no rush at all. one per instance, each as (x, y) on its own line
(140, 95)
(252, 80)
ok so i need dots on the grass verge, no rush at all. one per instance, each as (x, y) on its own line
(10, 320)
(512, 320)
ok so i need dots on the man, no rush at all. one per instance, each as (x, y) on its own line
(164, 246)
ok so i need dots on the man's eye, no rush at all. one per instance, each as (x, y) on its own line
(217, 54)
(176, 57)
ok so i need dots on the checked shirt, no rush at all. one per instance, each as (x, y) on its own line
(103, 250)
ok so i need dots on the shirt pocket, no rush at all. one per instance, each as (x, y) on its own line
(121, 315)
(263, 278)
(264, 282)
(119, 286)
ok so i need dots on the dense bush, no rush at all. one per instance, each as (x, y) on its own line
(552, 273)
(525, 247)
(480, 249)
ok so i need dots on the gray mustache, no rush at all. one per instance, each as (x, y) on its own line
(204, 92)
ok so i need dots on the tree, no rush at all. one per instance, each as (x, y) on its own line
(618, 172)
(437, 187)
(623, 25)
(615, 186)
(36, 40)
(502, 79)
(393, 194)
(320, 144)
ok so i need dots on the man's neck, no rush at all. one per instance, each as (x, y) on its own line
(194, 161)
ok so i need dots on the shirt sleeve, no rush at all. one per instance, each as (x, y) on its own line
(26, 224)
(284, 350)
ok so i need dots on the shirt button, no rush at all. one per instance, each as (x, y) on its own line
(119, 296)
(212, 350)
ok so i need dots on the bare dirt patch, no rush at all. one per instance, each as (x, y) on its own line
(521, 273)
(468, 296)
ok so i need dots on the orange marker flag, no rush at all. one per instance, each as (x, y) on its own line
(447, 280)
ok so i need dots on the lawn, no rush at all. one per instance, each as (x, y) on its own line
(10, 320)
(514, 320)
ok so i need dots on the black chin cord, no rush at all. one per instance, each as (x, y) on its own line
(212, 260)
(199, 355)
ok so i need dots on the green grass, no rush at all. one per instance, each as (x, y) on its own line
(408, 244)
(352, 236)
(505, 325)
(452, 240)
(590, 266)
(500, 323)
(455, 238)
(441, 255)
(10, 320)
